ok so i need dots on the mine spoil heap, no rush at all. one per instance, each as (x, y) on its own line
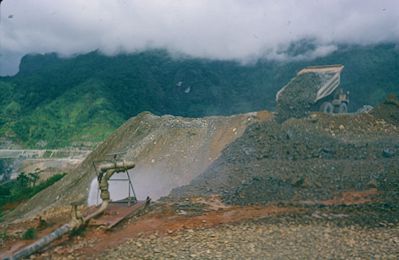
(388, 110)
(309, 159)
(292, 167)
(168, 151)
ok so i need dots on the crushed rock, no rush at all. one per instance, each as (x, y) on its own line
(168, 151)
(265, 241)
(388, 110)
(309, 159)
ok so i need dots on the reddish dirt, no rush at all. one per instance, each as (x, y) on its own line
(14, 243)
(353, 197)
(114, 214)
(165, 219)
(54, 218)
(168, 222)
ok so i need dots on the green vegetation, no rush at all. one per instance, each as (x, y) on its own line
(42, 224)
(29, 234)
(24, 187)
(81, 114)
(55, 102)
(3, 236)
(78, 231)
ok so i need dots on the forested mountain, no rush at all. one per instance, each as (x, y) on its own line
(55, 101)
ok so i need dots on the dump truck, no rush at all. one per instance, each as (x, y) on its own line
(314, 88)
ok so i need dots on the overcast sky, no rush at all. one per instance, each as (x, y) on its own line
(217, 29)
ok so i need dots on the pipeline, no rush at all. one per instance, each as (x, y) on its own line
(77, 220)
(27, 251)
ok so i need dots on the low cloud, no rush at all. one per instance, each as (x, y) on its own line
(223, 29)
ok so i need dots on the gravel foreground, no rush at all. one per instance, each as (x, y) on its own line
(253, 240)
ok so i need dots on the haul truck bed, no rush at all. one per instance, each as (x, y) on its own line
(311, 86)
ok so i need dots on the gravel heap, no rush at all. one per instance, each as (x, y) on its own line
(260, 241)
(296, 99)
(304, 159)
(169, 151)
(388, 110)
(274, 189)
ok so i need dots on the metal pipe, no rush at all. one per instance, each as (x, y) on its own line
(117, 166)
(27, 251)
(106, 172)
(109, 169)
(75, 222)
(103, 207)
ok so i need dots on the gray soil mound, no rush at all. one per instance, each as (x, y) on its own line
(304, 159)
(388, 110)
(168, 151)
(299, 94)
(274, 189)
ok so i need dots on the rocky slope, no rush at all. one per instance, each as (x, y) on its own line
(313, 159)
(264, 241)
(322, 186)
(168, 151)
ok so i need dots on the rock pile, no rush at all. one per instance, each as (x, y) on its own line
(304, 159)
(388, 110)
(274, 189)
(169, 151)
(258, 241)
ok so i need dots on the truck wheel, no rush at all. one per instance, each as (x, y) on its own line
(343, 108)
(327, 107)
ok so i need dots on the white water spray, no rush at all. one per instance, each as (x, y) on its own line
(155, 183)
